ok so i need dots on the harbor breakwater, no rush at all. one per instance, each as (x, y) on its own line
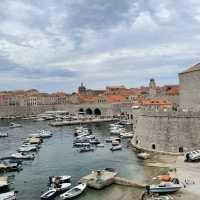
(167, 132)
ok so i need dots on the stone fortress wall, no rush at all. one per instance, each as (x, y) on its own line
(189, 90)
(24, 111)
(172, 132)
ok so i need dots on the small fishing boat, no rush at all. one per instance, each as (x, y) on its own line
(55, 189)
(100, 145)
(60, 187)
(60, 179)
(115, 143)
(164, 187)
(81, 144)
(50, 194)
(94, 141)
(74, 192)
(3, 134)
(8, 196)
(86, 149)
(14, 125)
(116, 148)
(22, 156)
(126, 135)
(27, 149)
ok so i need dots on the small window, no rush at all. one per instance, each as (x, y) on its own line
(153, 146)
(180, 149)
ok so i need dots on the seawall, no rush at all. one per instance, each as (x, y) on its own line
(172, 132)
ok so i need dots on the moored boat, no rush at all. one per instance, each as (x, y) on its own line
(116, 148)
(3, 134)
(164, 187)
(50, 194)
(74, 192)
(86, 149)
(22, 156)
(8, 196)
(14, 125)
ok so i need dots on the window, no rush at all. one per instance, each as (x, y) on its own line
(180, 150)
(153, 146)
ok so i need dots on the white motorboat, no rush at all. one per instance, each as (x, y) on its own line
(14, 125)
(8, 196)
(74, 192)
(60, 187)
(164, 187)
(50, 194)
(126, 135)
(192, 156)
(3, 134)
(86, 149)
(60, 179)
(116, 148)
(22, 156)
(42, 134)
(27, 148)
(115, 142)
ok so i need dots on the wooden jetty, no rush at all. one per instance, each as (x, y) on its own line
(78, 122)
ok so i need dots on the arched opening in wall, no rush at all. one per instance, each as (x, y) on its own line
(89, 111)
(81, 111)
(153, 146)
(122, 113)
(97, 111)
(180, 149)
(131, 116)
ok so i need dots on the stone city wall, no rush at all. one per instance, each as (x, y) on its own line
(23, 111)
(189, 90)
(168, 131)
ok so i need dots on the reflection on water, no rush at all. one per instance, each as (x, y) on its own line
(58, 157)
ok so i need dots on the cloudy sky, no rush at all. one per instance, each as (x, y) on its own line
(56, 44)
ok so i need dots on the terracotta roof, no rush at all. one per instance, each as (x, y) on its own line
(159, 102)
(115, 98)
(193, 68)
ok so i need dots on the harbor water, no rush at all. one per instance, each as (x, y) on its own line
(58, 157)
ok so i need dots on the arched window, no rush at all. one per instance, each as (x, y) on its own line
(89, 111)
(97, 111)
(153, 146)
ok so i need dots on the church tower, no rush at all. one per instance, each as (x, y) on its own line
(152, 88)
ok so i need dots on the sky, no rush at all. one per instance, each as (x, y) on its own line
(54, 45)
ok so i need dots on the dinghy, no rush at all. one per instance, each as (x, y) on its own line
(50, 194)
(23, 156)
(116, 148)
(8, 196)
(74, 192)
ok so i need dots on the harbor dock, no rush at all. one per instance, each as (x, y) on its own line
(99, 179)
(102, 178)
(78, 122)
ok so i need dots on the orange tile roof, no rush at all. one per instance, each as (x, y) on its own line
(159, 102)
(115, 98)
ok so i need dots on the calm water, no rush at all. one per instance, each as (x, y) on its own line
(57, 157)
